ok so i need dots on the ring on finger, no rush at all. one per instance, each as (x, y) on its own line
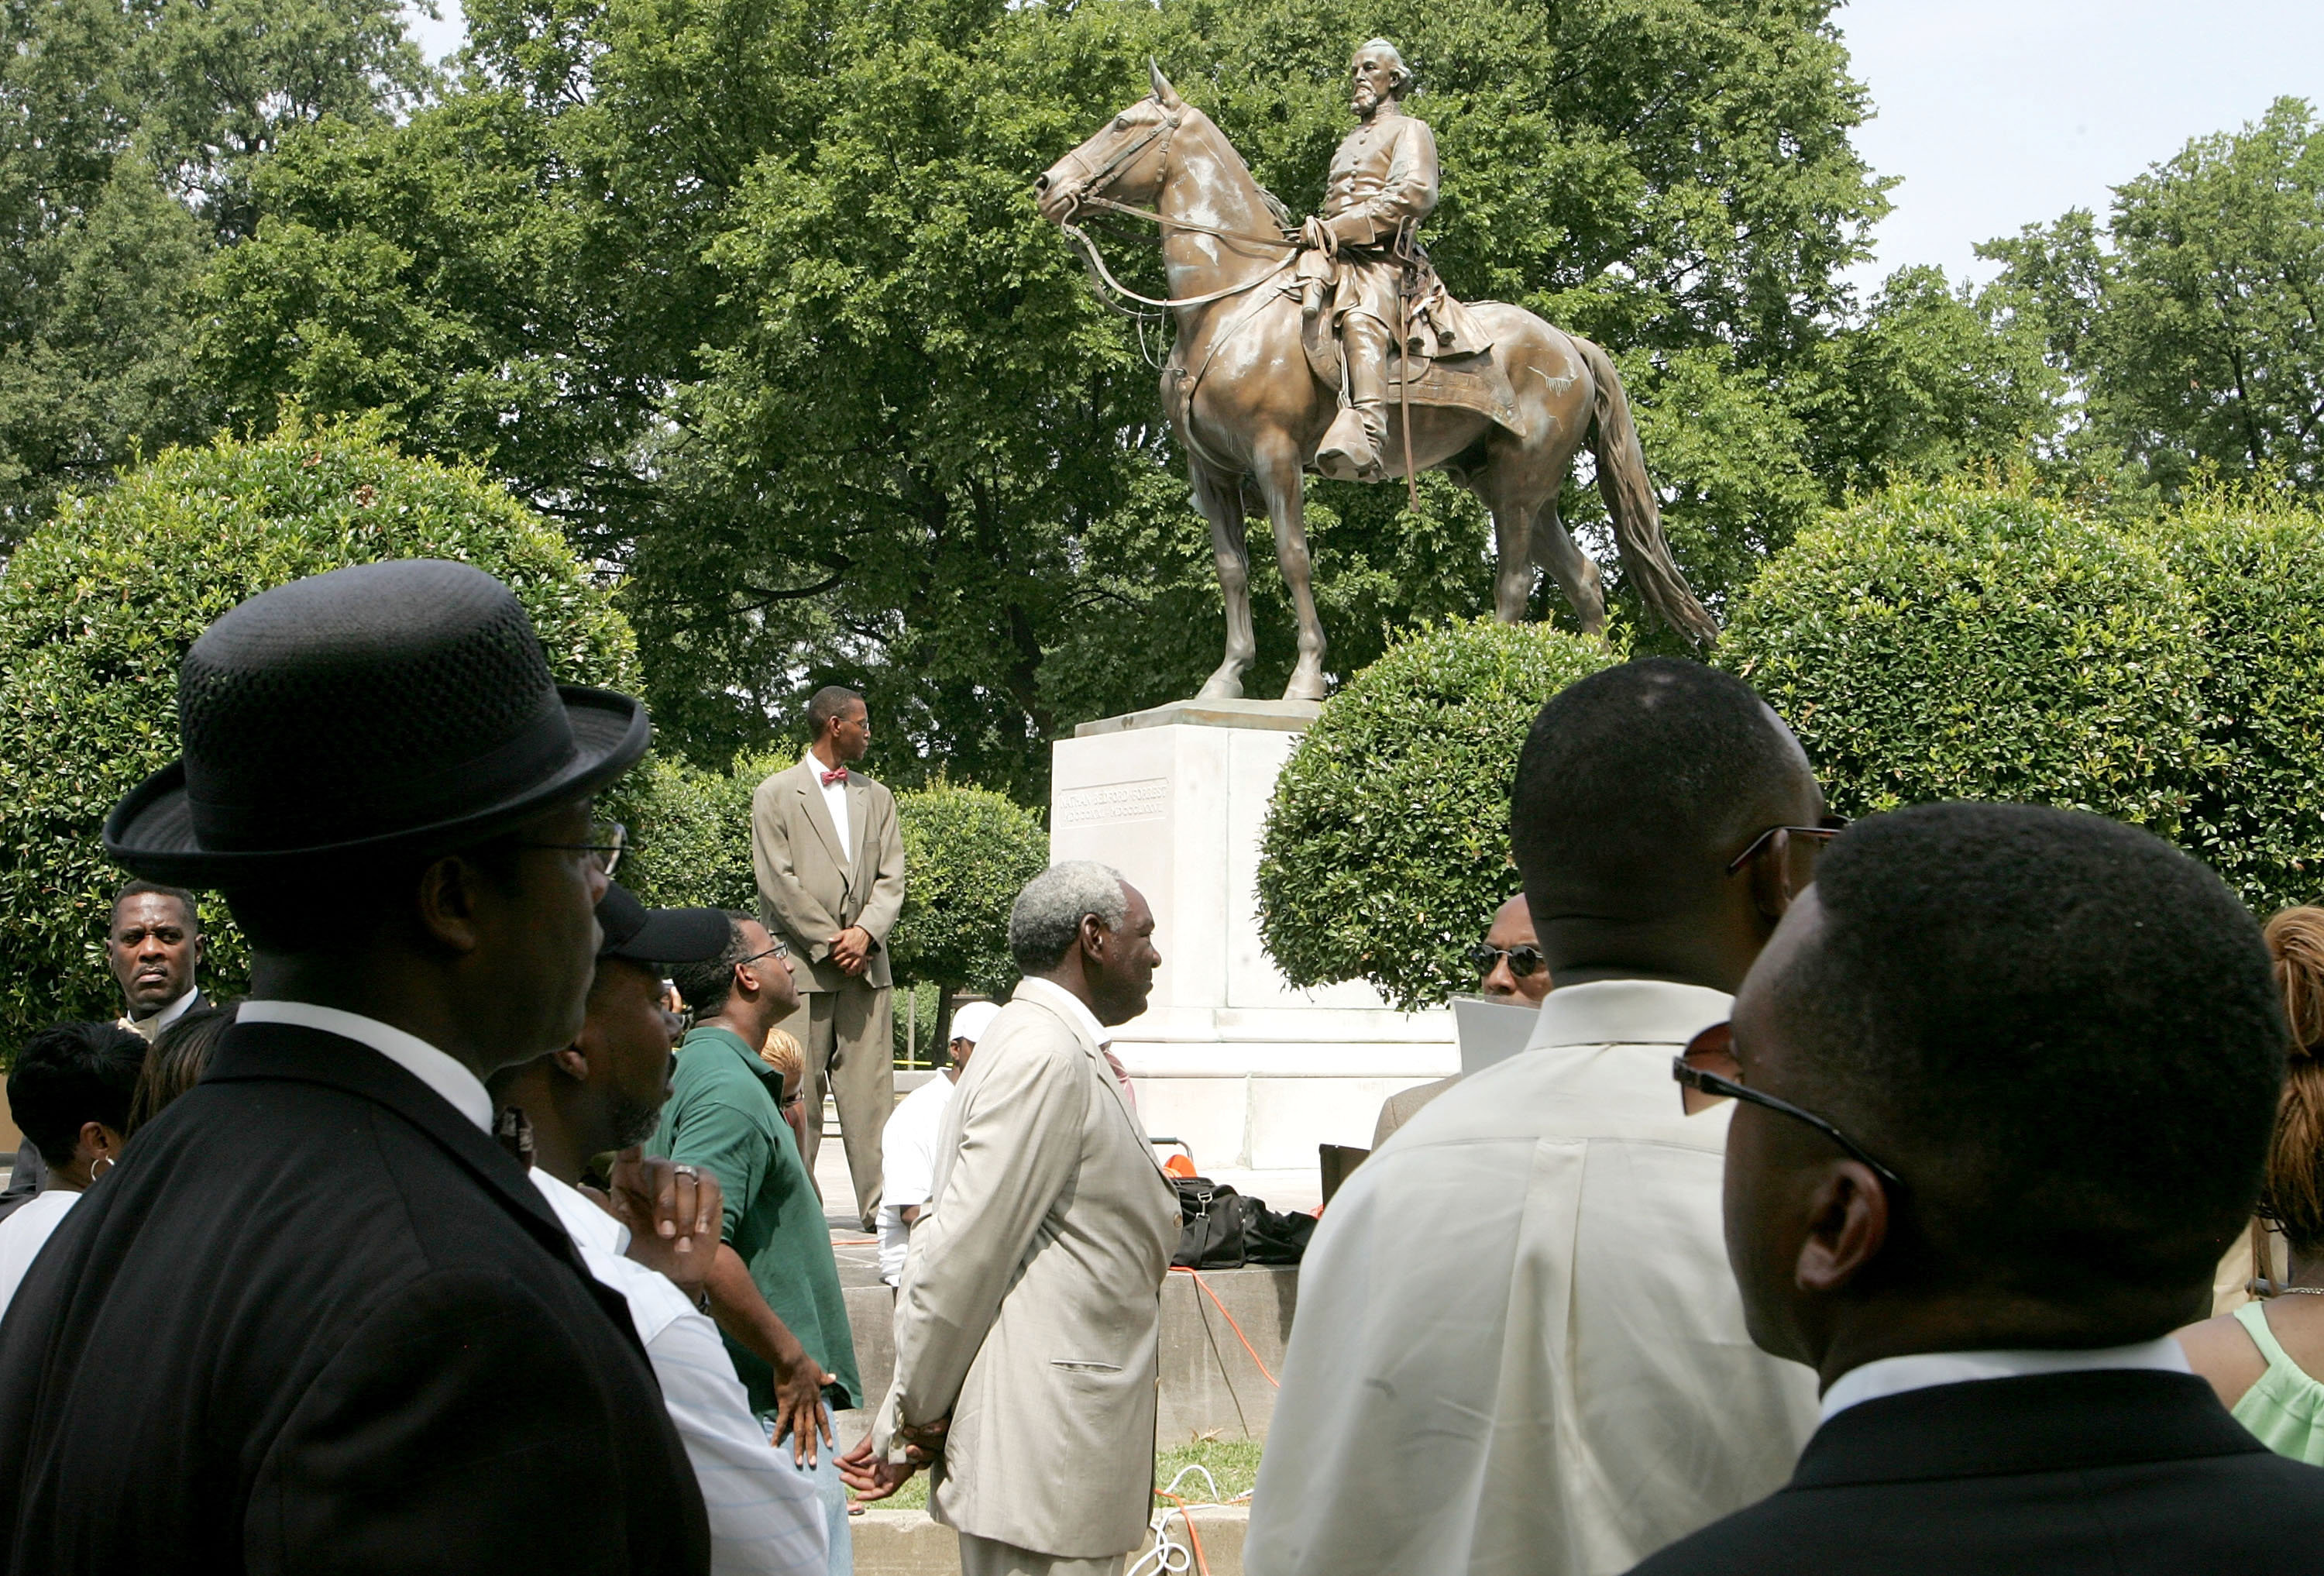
(683, 1171)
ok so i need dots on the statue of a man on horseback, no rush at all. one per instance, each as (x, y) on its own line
(1363, 263)
(1258, 393)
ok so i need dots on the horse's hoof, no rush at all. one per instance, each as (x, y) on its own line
(1224, 684)
(1306, 686)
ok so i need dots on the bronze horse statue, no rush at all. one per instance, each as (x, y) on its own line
(1248, 408)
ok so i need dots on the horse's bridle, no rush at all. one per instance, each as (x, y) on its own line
(1165, 126)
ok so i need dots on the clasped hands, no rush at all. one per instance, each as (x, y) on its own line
(869, 1478)
(850, 949)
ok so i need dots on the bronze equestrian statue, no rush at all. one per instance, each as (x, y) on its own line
(1292, 352)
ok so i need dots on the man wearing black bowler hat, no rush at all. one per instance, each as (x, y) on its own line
(317, 1318)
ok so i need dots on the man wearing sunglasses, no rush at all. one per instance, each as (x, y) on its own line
(1518, 1346)
(1509, 969)
(2004, 1081)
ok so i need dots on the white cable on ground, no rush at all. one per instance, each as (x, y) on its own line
(1169, 1557)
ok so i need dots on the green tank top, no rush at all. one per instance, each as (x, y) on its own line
(2285, 1409)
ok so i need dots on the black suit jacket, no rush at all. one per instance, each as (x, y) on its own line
(2120, 1471)
(315, 1320)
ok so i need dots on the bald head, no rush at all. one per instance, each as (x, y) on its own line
(1637, 786)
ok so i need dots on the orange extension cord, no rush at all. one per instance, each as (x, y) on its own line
(1271, 1378)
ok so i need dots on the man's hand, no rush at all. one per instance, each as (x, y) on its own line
(869, 1479)
(850, 949)
(1316, 236)
(1350, 229)
(799, 1415)
(674, 1213)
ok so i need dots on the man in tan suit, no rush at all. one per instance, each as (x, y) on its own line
(1025, 1325)
(830, 862)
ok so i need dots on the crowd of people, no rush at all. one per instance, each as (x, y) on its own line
(1857, 1205)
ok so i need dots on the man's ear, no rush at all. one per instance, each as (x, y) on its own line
(573, 1062)
(445, 903)
(1770, 873)
(1847, 1229)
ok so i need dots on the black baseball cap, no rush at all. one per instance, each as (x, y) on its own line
(659, 936)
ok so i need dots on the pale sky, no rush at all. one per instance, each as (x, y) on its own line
(2004, 113)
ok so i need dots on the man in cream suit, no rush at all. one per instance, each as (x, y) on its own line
(830, 862)
(1025, 1325)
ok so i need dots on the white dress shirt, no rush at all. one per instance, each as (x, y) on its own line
(165, 1017)
(765, 1517)
(835, 799)
(26, 1232)
(1518, 1347)
(462, 1090)
(1920, 1370)
(907, 1160)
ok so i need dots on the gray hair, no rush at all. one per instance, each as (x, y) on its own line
(1402, 71)
(1047, 915)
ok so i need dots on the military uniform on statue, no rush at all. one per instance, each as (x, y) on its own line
(830, 863)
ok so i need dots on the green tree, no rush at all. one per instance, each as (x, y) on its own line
(129, 135)
(755, 301)
(2189, 322)
(968, 852)
(1387, 844)
(99, 604)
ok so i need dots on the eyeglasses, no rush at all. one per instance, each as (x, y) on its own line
(781, 949)
(608, 840)
(1485, 958)
(1823, 832)
(1708, 1067)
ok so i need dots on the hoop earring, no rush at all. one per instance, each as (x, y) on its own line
(104, 1161)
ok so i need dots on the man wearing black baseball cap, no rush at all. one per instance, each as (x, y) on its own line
(605, 1093)
(316, 1318)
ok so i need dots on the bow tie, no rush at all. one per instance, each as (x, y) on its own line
(836, 774)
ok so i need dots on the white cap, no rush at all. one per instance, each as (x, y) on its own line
(969, 1022)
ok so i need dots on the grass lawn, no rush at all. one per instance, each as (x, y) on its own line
(1233, 1464)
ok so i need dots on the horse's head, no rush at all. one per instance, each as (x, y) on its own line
(1125, 161)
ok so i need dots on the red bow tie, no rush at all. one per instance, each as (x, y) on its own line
(836, 774)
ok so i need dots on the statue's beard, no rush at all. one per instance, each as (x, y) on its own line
(1365, 101)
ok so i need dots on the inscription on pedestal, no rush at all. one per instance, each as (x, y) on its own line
(1109, 804)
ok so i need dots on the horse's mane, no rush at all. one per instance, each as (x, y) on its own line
(1281, 213)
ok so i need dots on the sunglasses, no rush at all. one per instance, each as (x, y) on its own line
(1816, 836)
(1523, 960)
(1708, 1067)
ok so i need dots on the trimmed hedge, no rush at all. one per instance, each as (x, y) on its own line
(1385, 848)
(2255, 565)
(1953, 642)
(99, 604)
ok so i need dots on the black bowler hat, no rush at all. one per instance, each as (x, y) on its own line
(659, 936)
(390, 710)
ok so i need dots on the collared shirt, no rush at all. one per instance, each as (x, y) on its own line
(765, 1516)
(461, 1089)
(1518, 1345)
(721, 1117)
(26, 1232)
(1050, 993)
(835, 799)
(1920, 1370)
(153, 1026)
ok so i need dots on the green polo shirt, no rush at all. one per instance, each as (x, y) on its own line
(721, 1117)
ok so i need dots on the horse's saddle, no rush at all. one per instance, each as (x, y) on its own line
(1474, 382)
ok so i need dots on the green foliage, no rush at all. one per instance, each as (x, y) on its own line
(1386, 848)
(2189, 321)
(1949, 641)
(757, 302)
(99, 604)
(126, 156)
(697, 851)
(2254, 565)
(968, 852)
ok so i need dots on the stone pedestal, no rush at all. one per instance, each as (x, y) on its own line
(1250, 1073)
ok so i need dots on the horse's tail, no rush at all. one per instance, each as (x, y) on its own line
(1630, 501)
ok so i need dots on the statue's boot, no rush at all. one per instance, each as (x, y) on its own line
(1351, 449)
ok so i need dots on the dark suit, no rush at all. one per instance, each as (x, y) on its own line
(2120, 1471)
(317, 1320)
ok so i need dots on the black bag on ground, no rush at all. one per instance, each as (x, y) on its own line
(1220, 1228)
